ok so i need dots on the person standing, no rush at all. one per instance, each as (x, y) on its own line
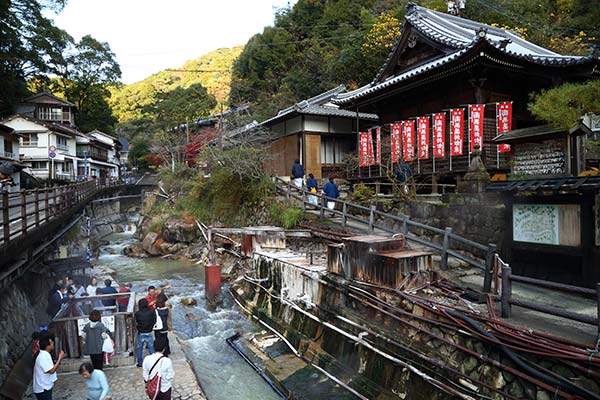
(96, 382)
(158, 363)
(91, 288)
(151, 297)
(330, 190)
(297, 173)
(93, 340)
(44, 369)
(122, 302)
(108, 289)
(56, 299)
(164, 322)
(145, 319)
(312, 186)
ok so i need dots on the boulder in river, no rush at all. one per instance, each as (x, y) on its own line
(180, 229)
(149, 244)
(188, 301)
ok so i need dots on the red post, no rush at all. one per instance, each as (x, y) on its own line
(212, 273)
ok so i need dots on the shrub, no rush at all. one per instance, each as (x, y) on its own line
(282, 215)
(363, 195)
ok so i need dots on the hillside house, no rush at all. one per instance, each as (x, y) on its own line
(9, 152)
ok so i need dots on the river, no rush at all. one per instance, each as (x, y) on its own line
(221, 371)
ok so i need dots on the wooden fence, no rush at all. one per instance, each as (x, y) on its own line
(23, 211)
(368, 217)
(507, 300)
(68, 321)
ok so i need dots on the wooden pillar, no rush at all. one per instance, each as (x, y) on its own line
(5, 216)
(506, 292)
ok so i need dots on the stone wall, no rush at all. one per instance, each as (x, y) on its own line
(479, 217)
(22, 311)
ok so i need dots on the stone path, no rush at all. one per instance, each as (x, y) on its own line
(126, 383)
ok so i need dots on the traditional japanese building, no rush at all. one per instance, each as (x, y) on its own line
(317, 132)
(441, 63)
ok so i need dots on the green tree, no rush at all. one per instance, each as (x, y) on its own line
(139, 148)
(28, 39)
(565, 105)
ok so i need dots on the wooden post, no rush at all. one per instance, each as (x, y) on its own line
(405, 226)
(323, 205)
(288, 195)
(344, 212)
(23, 212)
(506, 292)
(445, 246)
(489, 266)
(46, 203)
(372, 219)
(303, 200)
(36, 197)
(5, 216)
(54, 203)
(598, 306)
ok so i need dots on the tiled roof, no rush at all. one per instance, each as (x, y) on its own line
(459, 35)
(319, 105)
(540, 131)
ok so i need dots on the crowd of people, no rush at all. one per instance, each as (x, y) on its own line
(330, 189)
(153, 322)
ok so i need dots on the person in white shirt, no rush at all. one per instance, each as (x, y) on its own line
(157, 363)
(44, 369)
(91, 288)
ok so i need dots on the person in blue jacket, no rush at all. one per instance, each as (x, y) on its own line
(330, 190)
(297, 173)
(312, 186)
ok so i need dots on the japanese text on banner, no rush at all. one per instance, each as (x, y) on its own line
(409, 140)
(457, 132)
(476, 125)
(396, 146)
(363, 150)
(378, 143)
(423, 126)
(504, 113)
(439, 128)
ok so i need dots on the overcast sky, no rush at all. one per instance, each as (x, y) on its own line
(148, 36)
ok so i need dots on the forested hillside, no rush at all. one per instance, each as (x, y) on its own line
(133, 104)
(318, 44)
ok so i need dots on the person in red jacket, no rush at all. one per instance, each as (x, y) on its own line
(151, 297)
(122, 302)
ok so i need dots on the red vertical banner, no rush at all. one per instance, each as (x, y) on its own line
(476, 112)
(409, 140)
(363, 149)
(370, 155)
(396, 142)
(378, 139)
(439, 142)
(504, 114)
(457, 131)
(423, 128)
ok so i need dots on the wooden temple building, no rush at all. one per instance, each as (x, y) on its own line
(318, 133)
(442, 62)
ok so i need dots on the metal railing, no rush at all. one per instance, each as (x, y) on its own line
(507, 300)
(25, 210)
(8, 154)
(408, 226)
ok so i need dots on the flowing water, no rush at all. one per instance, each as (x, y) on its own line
(221, 371)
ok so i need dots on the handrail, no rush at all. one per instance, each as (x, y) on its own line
(33, 208)
(444, 249)
(507, 300)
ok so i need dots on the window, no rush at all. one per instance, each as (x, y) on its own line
(333, 151)
(38, 165)
(61, 143)
(50, 113)
(30, 139)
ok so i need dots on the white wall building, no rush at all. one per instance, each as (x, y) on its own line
(9, 152)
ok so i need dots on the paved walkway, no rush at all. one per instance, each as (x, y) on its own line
(126, 383)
